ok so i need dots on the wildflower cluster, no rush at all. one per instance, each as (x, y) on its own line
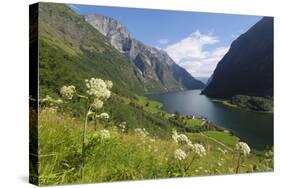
(122, 126)
(98, 88)
(179, 154)
(68, 92)
(199, 150)
(243, 148)
(97, 91)
(180, 138)
(141, 132)
(50, 101)
(187, 146)
(104, 134)
(97, 104)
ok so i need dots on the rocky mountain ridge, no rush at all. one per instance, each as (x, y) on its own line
(153, 66)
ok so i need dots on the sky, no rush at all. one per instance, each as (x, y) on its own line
(196, 41)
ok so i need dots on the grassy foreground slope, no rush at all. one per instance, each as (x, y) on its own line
(127, 155)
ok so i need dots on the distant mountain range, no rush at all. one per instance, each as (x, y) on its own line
(153, 67)
(247, 68)
(74, 47)
(80, 47)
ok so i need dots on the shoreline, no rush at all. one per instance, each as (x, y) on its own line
(218, 128)
(228, 104)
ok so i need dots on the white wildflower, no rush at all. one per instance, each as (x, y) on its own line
(243, 148)
(103, 116)
(122, 126)
(181, 138)
(104, 134)
(68, 91)
(179, 154)
(50, 101)
(98, 88)
(141, 132)
(97, 104)
(199, 150)
(109, 84)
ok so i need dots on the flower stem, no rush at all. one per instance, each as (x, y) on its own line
(84, 140)
(193, 158)
(84, 145)
(238, 164)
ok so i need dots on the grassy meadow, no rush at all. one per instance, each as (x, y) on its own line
(120, 151)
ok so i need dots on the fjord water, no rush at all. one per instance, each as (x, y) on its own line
(255, 128)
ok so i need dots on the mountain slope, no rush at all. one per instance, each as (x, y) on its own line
(154, 67)
(70, 50)
(247, 68)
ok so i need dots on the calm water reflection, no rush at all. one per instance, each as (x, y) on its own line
(252, 127)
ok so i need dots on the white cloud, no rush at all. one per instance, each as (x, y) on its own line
(190, 53)
(163, 41)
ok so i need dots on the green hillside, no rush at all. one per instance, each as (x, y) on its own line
(70, 50)
(114, 133)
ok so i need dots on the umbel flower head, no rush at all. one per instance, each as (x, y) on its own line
(181, 138)
(49, 100)
(199, 150)
(243, 148)
(98, 88)
(104, 134)
(97, 104)
(68, 91)
(179, 154)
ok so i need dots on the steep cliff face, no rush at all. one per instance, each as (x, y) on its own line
(153, 67)
(247, 68)
(70, 50)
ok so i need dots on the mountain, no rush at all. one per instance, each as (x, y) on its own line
(247, 68)
(153, 66)
(71, 50)
(203, 79)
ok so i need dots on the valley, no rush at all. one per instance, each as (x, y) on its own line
(111, 108)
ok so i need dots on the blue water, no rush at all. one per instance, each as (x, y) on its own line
(255, 128)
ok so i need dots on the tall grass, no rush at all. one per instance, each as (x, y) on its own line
(122, 156)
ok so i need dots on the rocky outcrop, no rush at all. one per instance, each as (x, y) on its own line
(153, 66)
